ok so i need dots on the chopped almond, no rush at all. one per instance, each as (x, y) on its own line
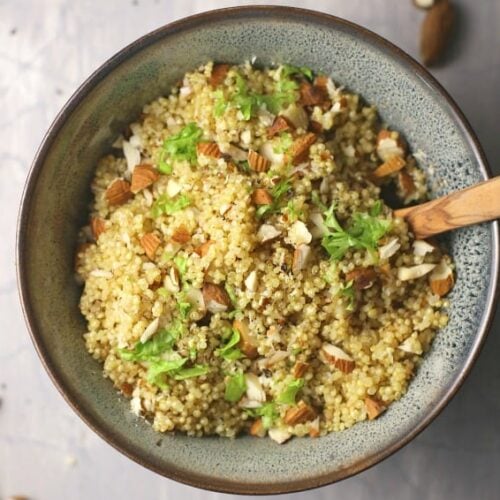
(414, 272)
(321, 81)
(363, 277)
(422, 248)
(181, 234)
(210, 149)
(118, 192)
(312, 95)
(338, 358)
(300, 256)
(389, 249)
(389, 144)
(280, 124)
(374, 407)
(279, 435)
(219, 72)
(247, 342)
(216, 298)
(299, 414)
(257, 428)
(299, 150)
(143, 176)
(314, 428)
(202, 250)
(267, 232)
(296, 115)
(441, 279)
(251, 281)
(393, 164)
(257, 162)
(261, 196)
(150, 242)
(315, 127)
(127, 389)
(97, 226)
(300, 369)
(406, 183)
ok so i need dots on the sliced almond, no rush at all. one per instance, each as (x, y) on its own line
(312, 95)
(98, 226)
(216, 298)
(143, 176)
(406, 184)
(257, 162)
(118, 192)
(257, 428)
(411, 345)
(296, 115)
(390, 166)
(300, 257)
(251, 281)
(441, 279)
(202, 250)
(247, 342)
(414, 272)
(362, 277)
(280, 124)
(150, 330)
(150, 242)
(300, 369)
(335, 356)
(299, 414)
(255, 391)
(261, 196)
(219, 73)
(390, 144)
(298, 234)
(210, 149)
(389, 249)
(181, 234)
(267, 232)
(374, 407)
(279, 435)
(299, 150)
(422, 248)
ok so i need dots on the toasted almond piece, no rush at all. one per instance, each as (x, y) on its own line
(257, 428)
(411, 345)
(219, 73)
(441, 279)
(299, 149)
(181, 234)
(216, 298)
(273, 359)
(173, 188)
(247, 343)
(202, 250)
(389, 249)
(210, 149)
(150, 242)
(300, 369)
(150, 330)
(172, 281)
(374, 407)
(257, 162)
(251, 281)
(312, 95)
(298, 234)
(296, 115)
(261, 196)
(422, 248)
(314, 428)
(118, 192)
(299, 414)
(362, 277)
(390, 166)
(321, 81)
(224, 208)
(234, 152)
(406, 183)
(98, 226)
(389, 144)
(414, 272)
(267, 232)
(127, 389)
(315, 127)
(280, 124)
(279, 435)
(267, 151)
(436, 30)
(255, 392)
(337, 357)
(300, 257)
(143, 176)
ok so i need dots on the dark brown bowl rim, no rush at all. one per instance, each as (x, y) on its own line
(113, 438)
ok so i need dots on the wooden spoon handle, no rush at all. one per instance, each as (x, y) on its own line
(475, 204)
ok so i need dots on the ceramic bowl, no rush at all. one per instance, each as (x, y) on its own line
(55, 205)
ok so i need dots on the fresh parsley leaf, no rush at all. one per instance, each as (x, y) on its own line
(181, 264)
(163, 166)
(235, 388)
(182, 146)
(184, 308)
(284, 142)
(293, 213)
(347, 291)
(376, 209)
(158, 368)
(288, 396)
(229, 351)
(268, 412)
(194, 371)
(220, 103)
(316, 199)
(289, 70)
(232, 295)
(167, 205)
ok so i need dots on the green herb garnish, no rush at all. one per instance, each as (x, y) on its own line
(182, 146)
(288, 396)
(163, 166)
(316, 199)
(293, 213)
(194, 371)
(289, 70)
(284, 142)
(229, 351)
(167, 205)
(158, 368)
(347, 291)
(184, 308)
(268, 412)
(181, 264)
(235, 388)
(277, 193)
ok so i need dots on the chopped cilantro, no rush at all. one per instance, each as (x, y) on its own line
(376, 209)
(277, 193)
(181, 264)
(182, 146)
(268, 412)
(158, 368)
(288, 396)
(293, 213)
(330, 273)
(193, 352)
(229, 351)
(220, 104)
(232, 295)
(289, 70)
(194, 371)
(184, 308)
(235, 388)
(166, 205)
(284, 142)
(347, 291)
(163, 166)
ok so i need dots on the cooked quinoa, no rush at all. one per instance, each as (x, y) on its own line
(242, 272)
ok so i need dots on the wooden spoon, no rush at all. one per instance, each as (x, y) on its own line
(472, 205)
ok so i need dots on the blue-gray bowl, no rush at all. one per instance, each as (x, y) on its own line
(55, 204)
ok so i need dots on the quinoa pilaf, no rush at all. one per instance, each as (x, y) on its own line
(241, 271)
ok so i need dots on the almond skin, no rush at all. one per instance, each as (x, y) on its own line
(392, 165)
(150, 242)
(118, 192)
(436, 31)
(362, 277)
(300, 369)
(247, 342)
(338, 358)
(257, 162)
(261, 196)
(219, 72)
(315, 127)
(143, 176)
(97, 227)
(299, 150)
(257, 429)
(299, 414)
(280, 124)
(441, 279)
(374, 407)
(210, 149)
(312, 95)
(202, 250)
(181, 234)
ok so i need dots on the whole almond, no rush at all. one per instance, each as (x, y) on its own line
(143, 176)
(436, 31)
(118, 192)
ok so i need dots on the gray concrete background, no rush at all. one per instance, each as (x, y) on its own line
(47, 48)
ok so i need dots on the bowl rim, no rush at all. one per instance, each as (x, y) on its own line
(113, 438)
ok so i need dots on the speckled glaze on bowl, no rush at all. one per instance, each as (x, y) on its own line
(55, 203)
